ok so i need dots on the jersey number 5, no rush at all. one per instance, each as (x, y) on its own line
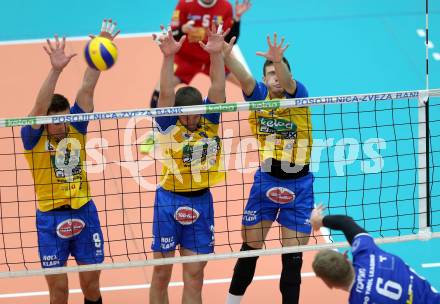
(206, 20)
(390, 289)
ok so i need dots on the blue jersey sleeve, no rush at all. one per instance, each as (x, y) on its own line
(31, 136)
(212, 117)
(363, 243)
(163, 123)
(81, 126)
(301, 91)
(259, 93)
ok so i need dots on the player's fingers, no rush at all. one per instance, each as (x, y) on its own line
(63, 42)
(269, 43)
(220, 29)
(72, 55)
(57, 41)
(182, 39)
(232, 41)
(116, 34)
(282, 42)
(103, 25)
(109, 25)
(49, 43)
(285, 48)
(202, 45)
(46, 50)
(261, 54)
(226, 32)
(275, 37)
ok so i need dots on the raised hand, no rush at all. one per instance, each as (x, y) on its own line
(108, 28)
(227, 47)
(317, 216)
(58, 58)
(276, 51)
(241, 8)
(166, 42)
(216, 39)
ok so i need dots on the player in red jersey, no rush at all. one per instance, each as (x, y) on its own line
(192, 18)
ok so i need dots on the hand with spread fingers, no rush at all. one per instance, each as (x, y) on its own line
(216, 39)
(167, 44)
(241, 8)
(108, 29)
(58, 57)
(317, 216)
(276, 51)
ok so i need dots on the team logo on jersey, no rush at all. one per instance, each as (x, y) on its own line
(280, 195)
(49, 146)
(186, 215)
(69, 228)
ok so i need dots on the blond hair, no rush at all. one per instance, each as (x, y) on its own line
(333, 267)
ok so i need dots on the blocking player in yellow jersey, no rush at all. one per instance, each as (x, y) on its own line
(283, 185)
(67, 219)
(183, 207)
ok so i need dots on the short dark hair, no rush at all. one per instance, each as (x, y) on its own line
(268, 62)
(333, 267)
(188, 96)
(59, 103)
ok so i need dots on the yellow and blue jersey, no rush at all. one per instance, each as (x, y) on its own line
(381, 277)
(58, 168)
(283, 134)
(191, 161)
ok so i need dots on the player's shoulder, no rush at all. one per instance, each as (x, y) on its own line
(362, 242)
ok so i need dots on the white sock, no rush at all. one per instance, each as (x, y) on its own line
(233, 299)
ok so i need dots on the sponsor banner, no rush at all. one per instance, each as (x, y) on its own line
(280, 195)
(186, 215)
(70, 227)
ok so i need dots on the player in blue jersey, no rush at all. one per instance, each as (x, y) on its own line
(374, 276)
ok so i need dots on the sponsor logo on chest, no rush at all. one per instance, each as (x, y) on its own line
(280, 195)
(70, 227)
(186, 215)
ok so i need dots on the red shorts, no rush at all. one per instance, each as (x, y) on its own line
(185, 67)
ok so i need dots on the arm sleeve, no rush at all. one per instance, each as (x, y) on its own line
(81, 126)
(230, 24)
(178, 19)
(164, 123)
(30, 136)
(344, 223)
(212, 117)
(301, 91)
(259, 93)
(235, 31)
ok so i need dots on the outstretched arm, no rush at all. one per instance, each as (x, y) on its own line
(247, 81)
(169, 48)
(276, 54)
(336, 222)
(214, 47)
(84, 97)
(59, 60)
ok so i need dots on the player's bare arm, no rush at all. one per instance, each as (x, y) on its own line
(214, 46)
(247, 81)
(275, 53)
(59, 60)
(85, 93)
(169, 47)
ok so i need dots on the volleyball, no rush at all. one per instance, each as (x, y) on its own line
(100, 53)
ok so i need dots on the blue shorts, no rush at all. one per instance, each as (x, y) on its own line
(184, 221)
(289, 201)
(74, 231)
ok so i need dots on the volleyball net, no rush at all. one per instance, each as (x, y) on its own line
(375, 157)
